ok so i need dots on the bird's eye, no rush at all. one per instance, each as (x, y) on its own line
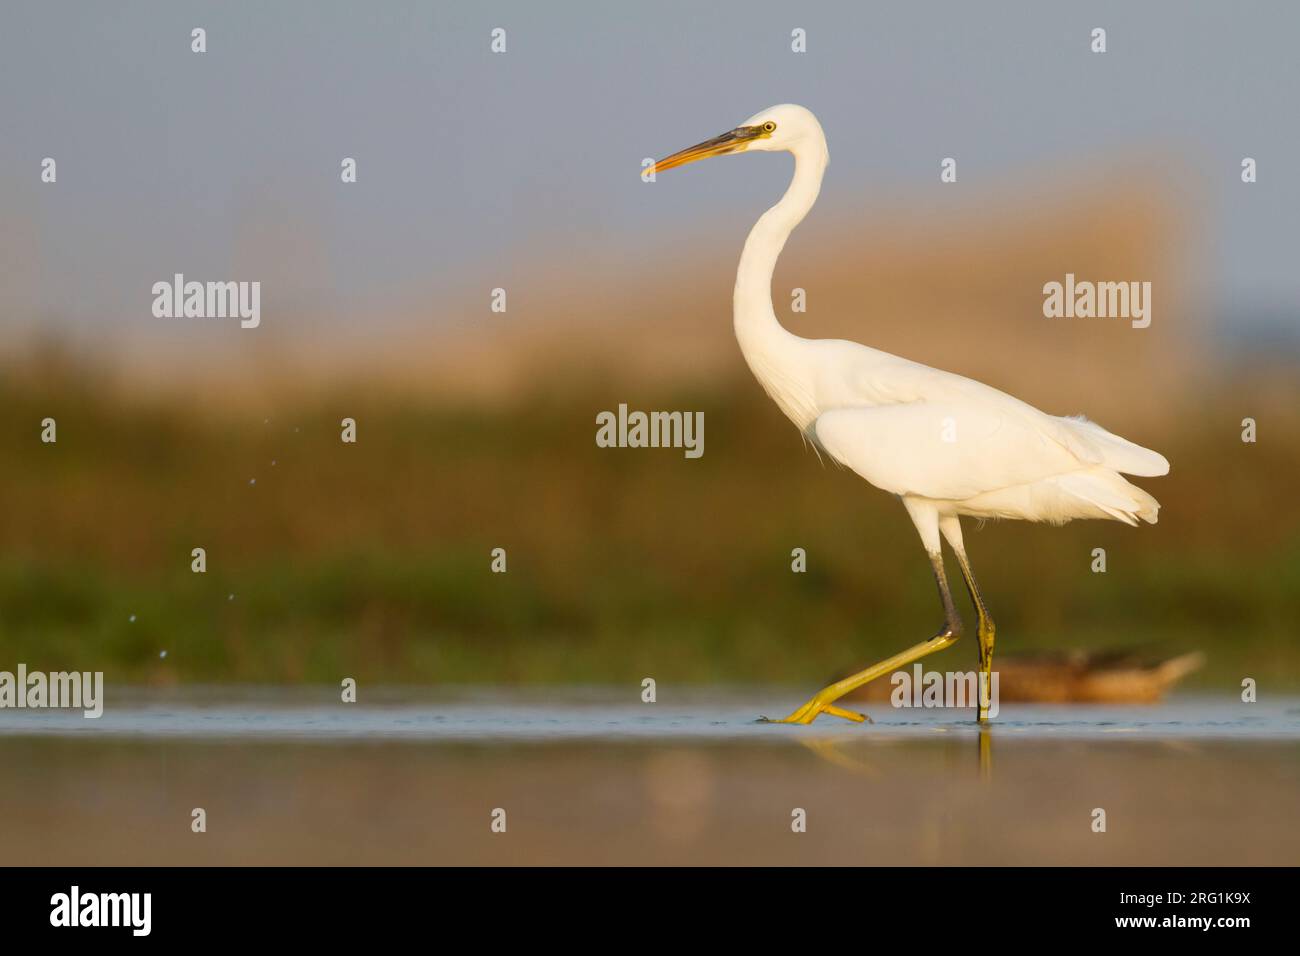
(769, 127)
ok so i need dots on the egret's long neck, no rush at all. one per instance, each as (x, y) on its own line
(762, 339)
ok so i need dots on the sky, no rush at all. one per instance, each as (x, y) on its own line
(473, 165)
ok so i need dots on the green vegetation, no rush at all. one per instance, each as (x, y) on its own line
(372, 560)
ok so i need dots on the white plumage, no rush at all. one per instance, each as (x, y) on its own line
(946, 445)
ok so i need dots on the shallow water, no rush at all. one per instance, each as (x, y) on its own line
(489, 716)
(587, 776)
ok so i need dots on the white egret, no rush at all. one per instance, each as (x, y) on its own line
(947, 446)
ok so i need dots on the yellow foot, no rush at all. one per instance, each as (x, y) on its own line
(813, 709)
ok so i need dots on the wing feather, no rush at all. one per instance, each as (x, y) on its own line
(941, 450)
(887, 379)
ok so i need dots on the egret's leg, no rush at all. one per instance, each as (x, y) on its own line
(951, 528)
(822, 702)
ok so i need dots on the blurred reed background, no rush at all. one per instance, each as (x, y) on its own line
(476, 430)
(372, 560)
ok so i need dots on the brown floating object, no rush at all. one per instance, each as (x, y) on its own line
(1073, 677)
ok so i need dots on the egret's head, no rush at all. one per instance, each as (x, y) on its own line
(779, 128)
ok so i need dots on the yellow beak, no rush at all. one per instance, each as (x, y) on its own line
(731, 142)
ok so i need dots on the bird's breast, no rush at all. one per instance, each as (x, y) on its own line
(791, 392)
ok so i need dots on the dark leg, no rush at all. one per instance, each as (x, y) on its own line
(985, 629)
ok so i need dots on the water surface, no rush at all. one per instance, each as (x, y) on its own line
(489, 716)
(589, 776)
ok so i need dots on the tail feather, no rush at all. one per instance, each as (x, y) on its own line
(1111, 494)
(1177, 668)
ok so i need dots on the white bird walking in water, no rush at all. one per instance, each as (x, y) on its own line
(946, 445)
